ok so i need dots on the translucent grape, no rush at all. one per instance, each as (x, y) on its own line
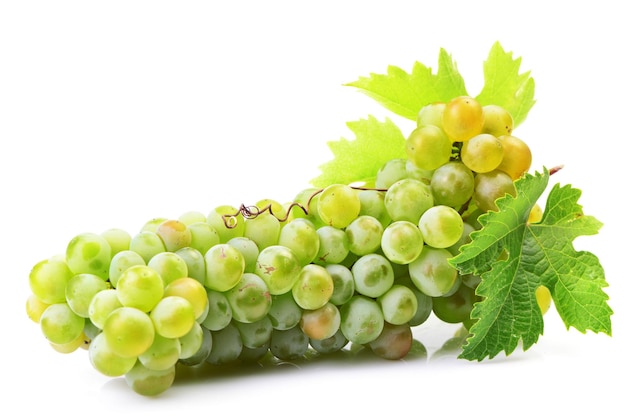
(173, 317)
(301, 237)
(462, 118)
(398, 304)
(101, 305)
(431, 272)
(338, 205)
(452, 184)
(80, 291)
(373, 204)
(162, 354)
(146, 244)
(407, 200)
(48, 280)
(441, 226)
(140, 287)
(248, 249)
(263, 230)
(194, 259)
(364, 235)
(121, 261)
(428, 147)
(118, 239)
(192, 291)
(203, 237)
(227, 222)
(362, 320)
(169, 266)
(60, 325)
(482, 153)
(129, 332)
(431, 114)
(497, 120)
(192, 341)
(343, 283)
(35, 307)
(284, 313)
(391, 172)
(225, 266)
(220, 312)
(373, 275)
(191, 217)
(89, 253)
(106, 361)
(149, 382)
(279, 267)
(517, 157)
(333, 245)
(250, 300)
(313, 287)
(455, 308)
(402, 242)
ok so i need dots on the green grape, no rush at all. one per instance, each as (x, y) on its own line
(471, 280)
(129, 332)
(482, 153)
(106, 361)
(343, 283)
(227, 346)
(173, 316)
(121, 261)
(203, 236)
(304, 205)
(117, 239)
(191, 217)
(146, 244)
(441, 226)
(48, 280)
(373, 204)
(491, 186)
(201, 353)
(140, 287)
(455, 308)
(194, 259)
(331, 344)
(162, 354)
(398, 304)
(284, 313)
(192, 342)
(452, 184)
(152, 224)
(465, 239)
(279, 267)
(313, 287)
(391, 172)
(254, 355)
(174, 234)
(35, 307)
(362, 320)
(364, 235)
(289, 344)
(333, 245)
(81, 289)
(255, 335)
(497, 120)
(424, 302)
(89, 253)
(338, 205)
(431, 114)
(428, 147)
(462, 118)
(191, 290)
(402, 242)
(225, 266)
(431, 272)
(417, 173)
(250, 299)
(60, 325)
(517, 157)
(220, 313)
(248, 249)
(394, 341)
(169, 266)
(227, 221)
(149, 382)
(408, 199)
(373, 275)
(101, 305)
(276, 209)
(263, 229)
(301, 237)
(320, 323)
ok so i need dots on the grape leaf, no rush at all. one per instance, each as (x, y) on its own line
(535, 254)
(405, 94)
(505, 86)
(375, 143)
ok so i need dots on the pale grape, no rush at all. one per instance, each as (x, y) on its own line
(398, 304)
(250, 300)
(255, 334)
(225, 266)
(428, 147)
(227, 346)
(60, 325)
(191, 217)
(140, 287)
(248, 248)
(431, 114)
(118, 239)
(264, 230)
(106, 361)
(362, 320)
(452, 184)
(162, 354)
(408, 199)
(373, 275)
(301, 237)
(194, 259)
(101, 305)
(169, 266)
(338, 205)
(364, 235)
(48, 280)
(333, 245)
(313, 287)
(203, 237)
(391, 172)
(129, 332)
(441, 226)
(121, 261)
(173, 316)
(220, 313)
(343, 283)
(279, 267)
(491, 186)
(149, 382)
(227, 221)
(284, 313)
(89, 253)
(191, 290)
(35, 307)
(431, 272)
(81, 289)
(402, 242)
(373, 204)
(192, 342)
(146, 244)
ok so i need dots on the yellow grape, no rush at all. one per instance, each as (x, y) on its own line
(517, 156)
(544, 299)
(482, 153)
(498, 121)
(462, 118)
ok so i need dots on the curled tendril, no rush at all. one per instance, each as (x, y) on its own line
(251, 212)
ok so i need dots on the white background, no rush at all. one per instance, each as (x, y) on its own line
(112, 113)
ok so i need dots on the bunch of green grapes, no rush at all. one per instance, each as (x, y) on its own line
(334, 267)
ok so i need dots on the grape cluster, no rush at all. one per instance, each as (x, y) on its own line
(337, 266)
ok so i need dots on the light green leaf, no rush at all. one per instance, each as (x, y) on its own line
(505, 86)
(405, 94)
(356, 160)
(535, 254)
